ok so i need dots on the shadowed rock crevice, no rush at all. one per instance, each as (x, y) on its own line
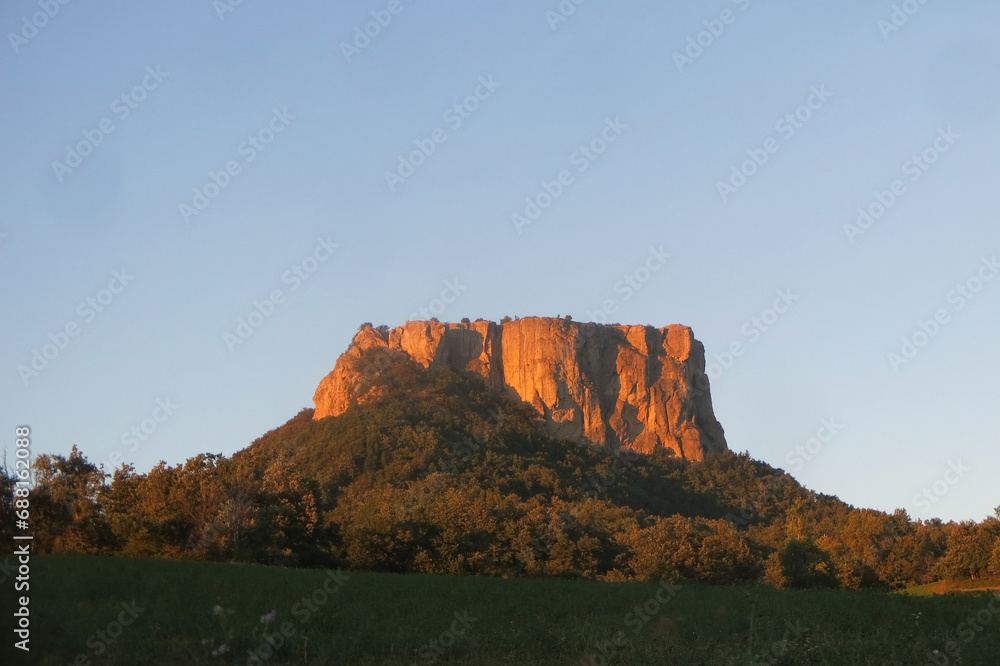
(631, 387)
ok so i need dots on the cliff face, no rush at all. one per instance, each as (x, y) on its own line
(634, 387)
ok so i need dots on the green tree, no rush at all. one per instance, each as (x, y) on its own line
(8, 482)
(806, 565)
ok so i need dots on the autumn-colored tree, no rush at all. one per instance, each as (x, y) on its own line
(66, 515)
(970, 550)
(289, 518)
(435, 472)
(690, 549)
(725, 556)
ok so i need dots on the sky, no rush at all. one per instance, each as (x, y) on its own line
(821, 175)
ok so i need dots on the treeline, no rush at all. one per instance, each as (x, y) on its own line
(435, 474)
(210, 508)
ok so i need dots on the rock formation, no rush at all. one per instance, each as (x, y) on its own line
(633, 387)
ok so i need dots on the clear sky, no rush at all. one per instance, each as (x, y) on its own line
(176, 162)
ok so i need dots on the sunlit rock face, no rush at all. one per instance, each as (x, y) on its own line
(633, 387)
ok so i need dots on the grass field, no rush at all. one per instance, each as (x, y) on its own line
(170, 617)
(945, 586)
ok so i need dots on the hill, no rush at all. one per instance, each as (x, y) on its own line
(437, 472)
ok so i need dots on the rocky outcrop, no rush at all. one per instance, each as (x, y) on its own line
(633, 387)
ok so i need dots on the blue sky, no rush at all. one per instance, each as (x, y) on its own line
(308, 133)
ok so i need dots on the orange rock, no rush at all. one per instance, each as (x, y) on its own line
(632, 387)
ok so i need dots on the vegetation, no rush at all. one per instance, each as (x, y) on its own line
(208, 613)
(438, 475)
(954, 585)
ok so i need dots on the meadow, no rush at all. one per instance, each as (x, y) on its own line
(114, 610)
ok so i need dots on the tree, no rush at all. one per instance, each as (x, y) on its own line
(691, 549)
(289, 518)
(65, 512)
(970, 550)
(994, 568)
(725, 556)
(8, 482)
(170, 511)
(806, 565)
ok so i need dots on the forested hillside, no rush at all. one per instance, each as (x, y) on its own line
(437, 474)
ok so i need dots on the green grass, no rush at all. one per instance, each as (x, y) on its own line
(384, 618)
(963, 585)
